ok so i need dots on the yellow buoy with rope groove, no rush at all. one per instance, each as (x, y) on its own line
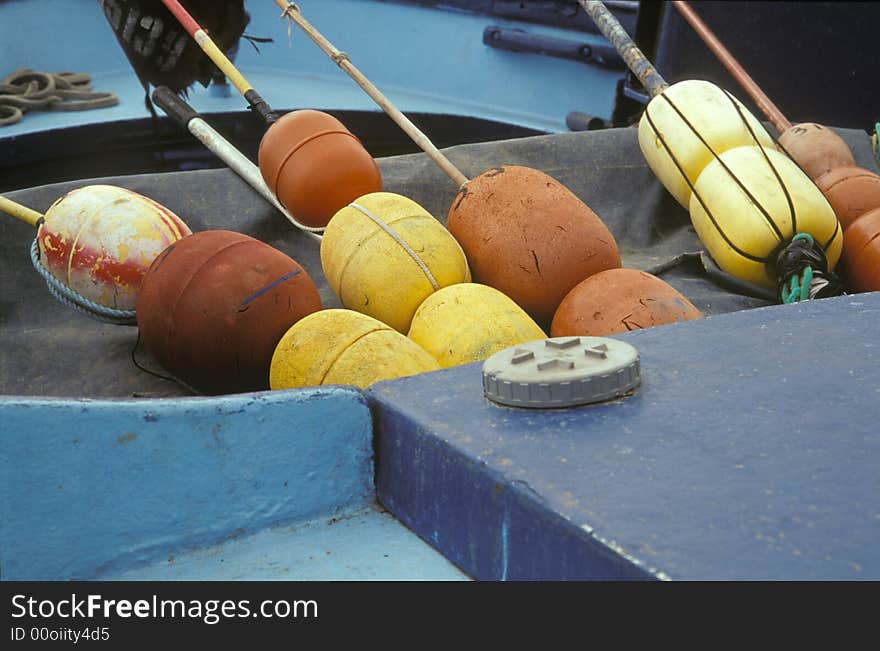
(468, 322)
(384, 254)
(338, 346)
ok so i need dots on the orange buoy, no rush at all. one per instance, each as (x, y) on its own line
(619, 300)
(530, 237)
(852, 191)
(213, 306)
(861, 246)
(315, 166)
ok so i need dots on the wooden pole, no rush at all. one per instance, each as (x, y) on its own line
(292, 12)
(780, 123)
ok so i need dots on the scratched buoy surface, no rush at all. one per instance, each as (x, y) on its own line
(214, 305)
(620, 300)
(530, 237)
(100, 240)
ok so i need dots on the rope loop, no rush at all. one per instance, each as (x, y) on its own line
(75, 301)
(30, 90)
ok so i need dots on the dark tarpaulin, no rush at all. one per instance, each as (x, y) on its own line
(50, 350)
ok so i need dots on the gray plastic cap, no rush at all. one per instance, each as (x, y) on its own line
(561, 372)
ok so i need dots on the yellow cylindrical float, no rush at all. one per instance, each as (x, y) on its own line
(468, 322)
(344, 347)
(683, 125)
(384, 255)
(750, 202)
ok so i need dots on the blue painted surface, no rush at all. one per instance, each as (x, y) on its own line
(360, 544)
(751, 451)
(91, 488)
(423, 59)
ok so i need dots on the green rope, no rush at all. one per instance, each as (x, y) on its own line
(799, 286)
(875, 142)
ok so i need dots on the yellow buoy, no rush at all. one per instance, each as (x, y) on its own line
(751, 202)
(684, 124)
(468, 322)
(384, 255)
(344, 347)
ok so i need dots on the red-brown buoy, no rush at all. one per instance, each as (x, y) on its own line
(861, 246)
(619, 300)
(213, 306)
(315, 166)
(852, 191)
(530, 237)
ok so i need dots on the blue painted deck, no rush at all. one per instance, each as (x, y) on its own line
(751, 451)
(361, 544)
(446, 68)
(250, 486)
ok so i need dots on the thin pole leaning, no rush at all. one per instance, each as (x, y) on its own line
(779, 121)
(292, 12)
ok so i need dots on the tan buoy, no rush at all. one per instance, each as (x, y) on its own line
(620, 300)
(815, 149)
(468, 322)
(344, 347)
(384, 254)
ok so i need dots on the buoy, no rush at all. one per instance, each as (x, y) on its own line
(315, 166)
(535, 265)
(688, 121)
(344, 347)
(310, 161)
(213, 306)
(815, 149)
(852, 191)
(99, 241)
(744, 235)
(530, 237)
(861, 265)
(384, 254)
(826, 158)
(738, 218)
(468, 322)
(617, 301)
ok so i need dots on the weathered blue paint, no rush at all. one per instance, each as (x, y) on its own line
(751, 451)
(91, 488)
(360, 544)
(446, 68)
